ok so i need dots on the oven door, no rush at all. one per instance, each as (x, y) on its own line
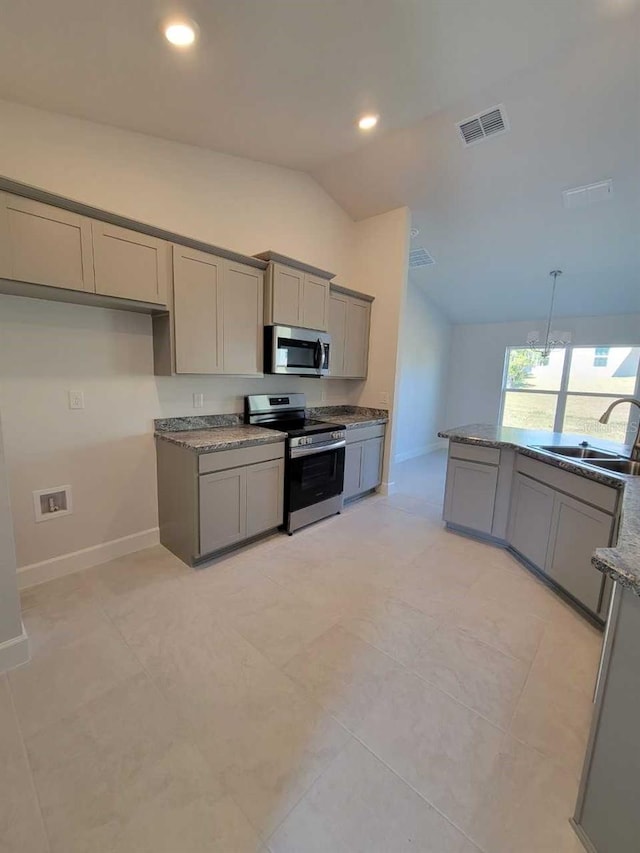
(314, 476)
(296, 351)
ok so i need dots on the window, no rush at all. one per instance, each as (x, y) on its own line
(568, 391)
(601, 357)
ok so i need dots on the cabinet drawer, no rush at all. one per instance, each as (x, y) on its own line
(597, 494)
(220, 460)
(488, 455)
(363, 433)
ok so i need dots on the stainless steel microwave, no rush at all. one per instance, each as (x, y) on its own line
(302, 352)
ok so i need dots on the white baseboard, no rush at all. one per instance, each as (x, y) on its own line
(14, 652)
(440, 444)
(387, 489)
(66, 564)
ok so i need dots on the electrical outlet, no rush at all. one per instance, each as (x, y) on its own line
(76, 399)
(198, 401)
(384, 398)
(323, 396)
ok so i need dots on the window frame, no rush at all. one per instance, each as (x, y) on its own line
(562, 393)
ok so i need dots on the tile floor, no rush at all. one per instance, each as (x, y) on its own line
(373, 684)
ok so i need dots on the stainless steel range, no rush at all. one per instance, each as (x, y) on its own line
(314, 460)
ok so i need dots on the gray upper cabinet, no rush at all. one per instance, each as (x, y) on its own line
(576, 531)
(197, 311)
(45, 245)
(357, 345)
(338, 305)
(470, 494)
(296, 298)
(217, 314)
(242, 326)
(315, 303)
(130, 265)
(531, 517)
(349, 322)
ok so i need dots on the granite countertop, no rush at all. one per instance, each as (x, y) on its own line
(220, 437)
(621, 563)
(351, 416)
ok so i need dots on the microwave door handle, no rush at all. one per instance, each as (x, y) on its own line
(318, 355)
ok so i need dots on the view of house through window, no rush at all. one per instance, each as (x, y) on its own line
(568, 391)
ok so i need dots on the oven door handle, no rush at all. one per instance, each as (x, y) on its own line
(297, 452)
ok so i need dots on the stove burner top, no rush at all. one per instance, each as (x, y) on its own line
(301, 426)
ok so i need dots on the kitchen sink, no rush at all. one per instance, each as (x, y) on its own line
(579, 452)
(620, 466)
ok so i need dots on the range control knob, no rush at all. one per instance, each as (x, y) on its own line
(336, 435)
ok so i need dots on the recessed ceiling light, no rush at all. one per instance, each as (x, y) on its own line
(368, 122)
(180, 33)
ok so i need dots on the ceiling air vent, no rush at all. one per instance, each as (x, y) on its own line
(420, 258)
(479, 127)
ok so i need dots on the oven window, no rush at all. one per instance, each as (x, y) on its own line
(315, 478)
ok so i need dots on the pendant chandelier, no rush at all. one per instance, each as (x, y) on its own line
(543, 348)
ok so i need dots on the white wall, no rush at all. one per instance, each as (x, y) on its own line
(477, 358)
(425, 342)
(106, 451)
(380, 268)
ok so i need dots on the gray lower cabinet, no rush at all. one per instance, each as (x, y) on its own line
(531, 518)
(470, 494)
(577, 530)
(264, 496)
(607, 817)
(363, 460)
(212, 501)
(223, 515)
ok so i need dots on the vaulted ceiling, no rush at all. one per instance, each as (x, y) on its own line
(284, 80)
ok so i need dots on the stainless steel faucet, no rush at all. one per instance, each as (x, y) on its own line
(635, 450)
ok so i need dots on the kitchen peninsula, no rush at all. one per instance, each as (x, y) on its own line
(562, 507)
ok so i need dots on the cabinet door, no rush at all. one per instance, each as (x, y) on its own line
(130, 265)
(353, 469)
(197, 311)
(223, 509)
(42, 244)
(609, 815)
(470, 494)
(286, 295)
(265, 489)
(372, 464)
(577, 530)
(315, 303)
(338, 332)
(530, 521)
(242, 327)
(357, 343)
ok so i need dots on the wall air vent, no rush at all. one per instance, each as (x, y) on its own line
(420, 258)
(479, 127)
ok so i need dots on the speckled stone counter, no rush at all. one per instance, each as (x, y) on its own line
(220, 438)
(621, 563)
(351, 416)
